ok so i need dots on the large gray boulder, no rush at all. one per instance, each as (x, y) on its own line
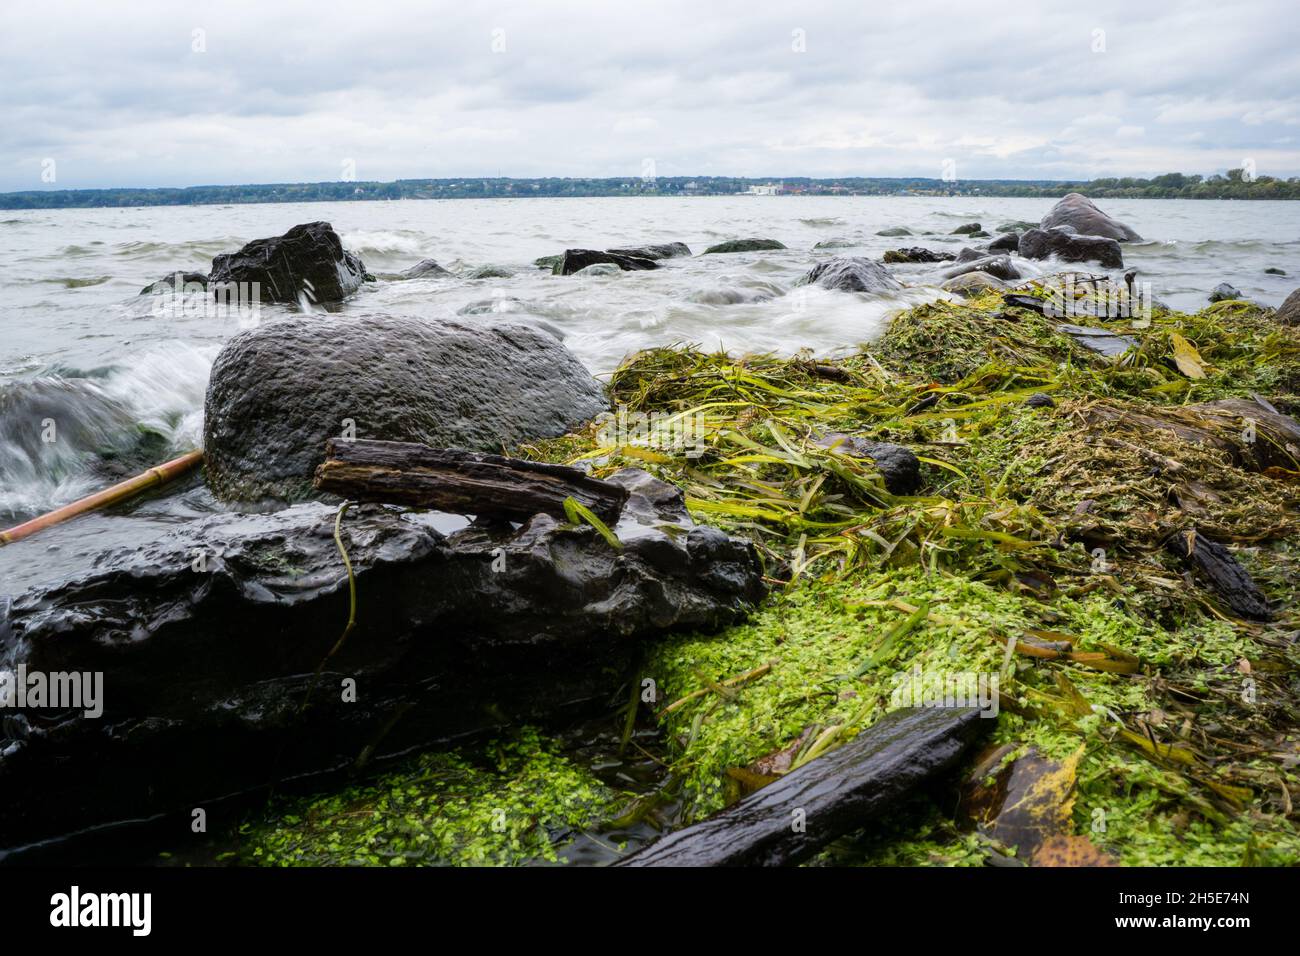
(1069, 247)
(852, 274)
(279, 391)
(307, 261)
(1081, 213)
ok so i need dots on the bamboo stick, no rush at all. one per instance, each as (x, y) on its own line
(109, 496)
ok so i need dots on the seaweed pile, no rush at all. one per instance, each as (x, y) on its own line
(1115, 539)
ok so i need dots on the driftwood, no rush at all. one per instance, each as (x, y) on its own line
(837, 793)
(460, 482)
(1224, 574)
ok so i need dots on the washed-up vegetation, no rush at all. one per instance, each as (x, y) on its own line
(1141, 719)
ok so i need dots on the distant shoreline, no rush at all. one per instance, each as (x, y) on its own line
(1167, 186)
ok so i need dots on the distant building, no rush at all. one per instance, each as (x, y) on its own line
(770, 189)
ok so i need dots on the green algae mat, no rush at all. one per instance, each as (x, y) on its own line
(1140, 717)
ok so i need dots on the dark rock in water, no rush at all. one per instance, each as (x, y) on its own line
(1080, 213)
(852, 274)
(424, 267)
(853, 785)
(895, 231)
(999, 267)
(1040, 400)
(968, 254)
(176, 282)
(279, 391)
(837, 244)
(575, 260)
(969, 229)
(744, 245)
(667, 250)
(1102, 341)
(1017, 225)
(1007, 242)
(308, 260)
(490, 272)
(1040, 243)
(1274, 271)
(208, 686)
(917, 254)
(1223, 292)
(1288, 313)
(548, 262)
(898, 465)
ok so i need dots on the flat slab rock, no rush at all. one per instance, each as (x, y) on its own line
(206, 669)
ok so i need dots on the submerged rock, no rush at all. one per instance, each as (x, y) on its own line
(1081, 213)
(279, 391)
(423, 268)
(967, 230)
(309, 260)
(1041, 243)
(667, 250)
(575, 260)
(208, 686)
(917, 254)
(744, 245)
(895, 231)
(177, 280)
(968, 284)
(1224, 292)
(852, 274)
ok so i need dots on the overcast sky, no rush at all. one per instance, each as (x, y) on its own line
(179, 93)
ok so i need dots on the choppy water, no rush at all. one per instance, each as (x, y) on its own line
(79, 345)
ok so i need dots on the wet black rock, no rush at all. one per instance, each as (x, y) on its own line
(307, 261)
(967, 230)
(575, 260)
(1080, 213)
(744, 245)
(852, 274)
(208, 638)
(1224, 292)
(279, 391)
(898, 465)
(1274, 271)
(1000, 267)
(177, 282)
(1041, 243)
(1007, 242)
(667, 250)
(917, 254)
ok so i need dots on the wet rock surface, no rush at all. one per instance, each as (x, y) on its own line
(1068, 247)
(1081, 214)
(744, 245)
(667, 250)
(1000, 267)
(208, 686)
(917, 254)
(176, 282)
(309, 260)
(1288, 313)
(575, 260)
(278, 392)
(852, 274)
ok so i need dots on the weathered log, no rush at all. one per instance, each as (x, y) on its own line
(460, 482)
(1223, 573)
(837, 793)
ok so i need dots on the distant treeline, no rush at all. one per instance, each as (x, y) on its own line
(1235, 185)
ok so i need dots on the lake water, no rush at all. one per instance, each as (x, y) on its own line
(75, 334)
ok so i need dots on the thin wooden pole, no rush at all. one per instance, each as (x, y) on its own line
(109, 496)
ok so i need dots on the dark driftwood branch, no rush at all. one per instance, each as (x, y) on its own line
(1218, 568)
(461, 482)
(837, 793)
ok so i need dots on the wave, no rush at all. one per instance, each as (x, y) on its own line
(383, 242)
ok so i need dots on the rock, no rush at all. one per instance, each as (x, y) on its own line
(490, 272)
(600, 269)
(208, 687)
(1007, 242)
(852, 274)
(1223, 292)
(668, 250)
(1274, 271)
(1080, 213)
(837, 244)
(1102, 341)
(895, 231)
(967, 230)
(575, 260)
(424, 267)
(1288, 313)
(1017, 225)
(744, 245)
(1040, 243)
(548, 262)
(1040, 400)
(309, 260)
(917, 254)
(277, 392)
(1000, 267)
(968, 254)
(178, 282)
(972, 283)
(898, 465)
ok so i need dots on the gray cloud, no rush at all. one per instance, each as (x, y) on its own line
(117, 95)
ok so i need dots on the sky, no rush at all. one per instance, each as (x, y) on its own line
(176, 93)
